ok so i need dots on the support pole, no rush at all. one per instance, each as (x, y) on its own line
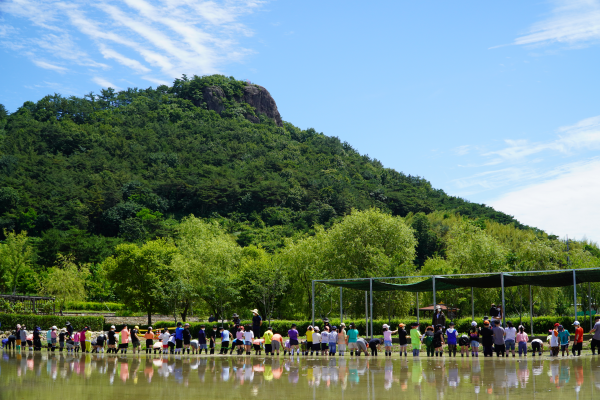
(575, 295)
(366, 313)
(341, 306)
(434, 302)
(418, 319)
(590, 303)
(313, 303)
(531, 309)
(472, 305)
(503, 304)
(371, 310)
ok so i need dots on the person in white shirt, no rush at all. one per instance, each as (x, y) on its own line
(325, 341)
(510, 335)
(316, 341)
(164, 337)
(248, 339)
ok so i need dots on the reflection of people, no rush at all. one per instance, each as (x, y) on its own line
(438, 317)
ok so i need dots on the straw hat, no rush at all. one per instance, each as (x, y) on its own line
(255, 311)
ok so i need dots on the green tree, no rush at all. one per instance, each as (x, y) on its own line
(66, 281)
(138, 272)
(16, 257)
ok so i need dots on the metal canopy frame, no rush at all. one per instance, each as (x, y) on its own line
(369, 293)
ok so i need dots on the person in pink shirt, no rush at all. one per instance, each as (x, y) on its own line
(124, 340)
(76, 341)
(522, 340)
(82, 338)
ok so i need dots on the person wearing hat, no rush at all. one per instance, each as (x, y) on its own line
(212, 338)
(256, 323)
(452, 336)
(268, 338)
(99, 343)
(578, 339)
(387, 340)
(187, 337)
(474, 339)
(61, 339)
(438, 317)
(499, 341)
(564, 336)
(53, 337)
(236, 322)
(554, 341)
(112, 340)
(226, 337)
(316, 336)
(69, 328)
(487, 339)
(494, 313)
(596, 337)
(88, 340)
(135, 339)
(402, 339)
(178, 338)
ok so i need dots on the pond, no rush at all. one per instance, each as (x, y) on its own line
(100, 376)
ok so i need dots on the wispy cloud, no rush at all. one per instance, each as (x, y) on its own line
(160, 40)
(46, 65)
(104, 83)
(571, 22)
(521, 162)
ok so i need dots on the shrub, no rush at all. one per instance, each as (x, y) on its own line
(10, 321)
(94, 306)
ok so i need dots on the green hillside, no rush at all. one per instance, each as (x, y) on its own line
(85, 173)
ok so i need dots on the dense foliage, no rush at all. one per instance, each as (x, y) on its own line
(167, 206)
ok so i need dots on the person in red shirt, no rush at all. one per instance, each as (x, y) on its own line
(578, 340)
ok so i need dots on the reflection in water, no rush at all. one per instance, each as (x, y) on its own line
(30, 376)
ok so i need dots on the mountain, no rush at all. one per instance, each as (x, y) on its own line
(82, 174)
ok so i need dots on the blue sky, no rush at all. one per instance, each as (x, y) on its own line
(495, 102)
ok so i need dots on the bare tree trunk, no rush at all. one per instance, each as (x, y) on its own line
(149, 317)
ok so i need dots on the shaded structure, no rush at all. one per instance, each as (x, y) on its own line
(433, 283)
(30, 303)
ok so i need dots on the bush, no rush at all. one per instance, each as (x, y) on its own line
(10, 321)
(93, 306)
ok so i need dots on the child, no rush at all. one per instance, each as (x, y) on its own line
(522, 340)
(474, 339)
(135, 339)
(226, 336)
(76, 340)
(268, 338)
(342, 338)
(316, 341)
(287, 347)
(172, 343)
(111, 340)
(438, 341)
(578, 340)
(374, 345)
(187, 338)
(452, 336)
(487, 339)
(70, 343)
(213, 339)
(124, 339)
(61, 339)
(164, 337)
(387, 339)
(427, 340)
(238, 343)
(333, 336)
(309, 339)
(149, 336)
(402, 335)
(88, 340)
(99, 346)
(463, 342)
(537, 345)
(258, 345)
(53, 337)
(248, 339)
(554, 342)
(415, 339)
(202, 340)
(293, 334)
(498, 334)
(325, 341)
(277, 342)
(352, 338)
(564, 337)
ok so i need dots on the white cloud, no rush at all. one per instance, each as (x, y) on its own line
(46, 65)
(572, 22)
(564, 205)
(104, 83)
(161, 39)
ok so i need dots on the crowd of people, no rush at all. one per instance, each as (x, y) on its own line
(326, 341)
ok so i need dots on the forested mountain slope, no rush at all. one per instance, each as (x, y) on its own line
(84, 174)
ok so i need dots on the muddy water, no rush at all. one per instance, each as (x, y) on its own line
(108, 376)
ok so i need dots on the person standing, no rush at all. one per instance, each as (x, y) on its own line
(438, 341)
(522, 340)
(415, 339)
(149, 336)
(452, 336)
(226, 337)
(49, 339)
(387, 340)
(510, 335)
(248, 339)
(164, 337)
(202, 340)
(494, 314)
(54, 337)
(293, 335)
(277, 342)
(439, 318)
(256, 323)
(124, 339)
(316, 341)
(341, 340)
(564, 337)
(309, 339)
(333, 337)
(187, 338)
(325, 341)
(268, 337)
(474, 339)
(69, 328)
(212, 339)
(22, 335)
(88, 340)
(498, 334)
(178, 338)
(135, 339)
(352, 338)
(578, 340)
(111, 340)
(596, 337)
(487, 339)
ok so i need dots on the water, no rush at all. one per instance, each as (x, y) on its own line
(102, 376)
